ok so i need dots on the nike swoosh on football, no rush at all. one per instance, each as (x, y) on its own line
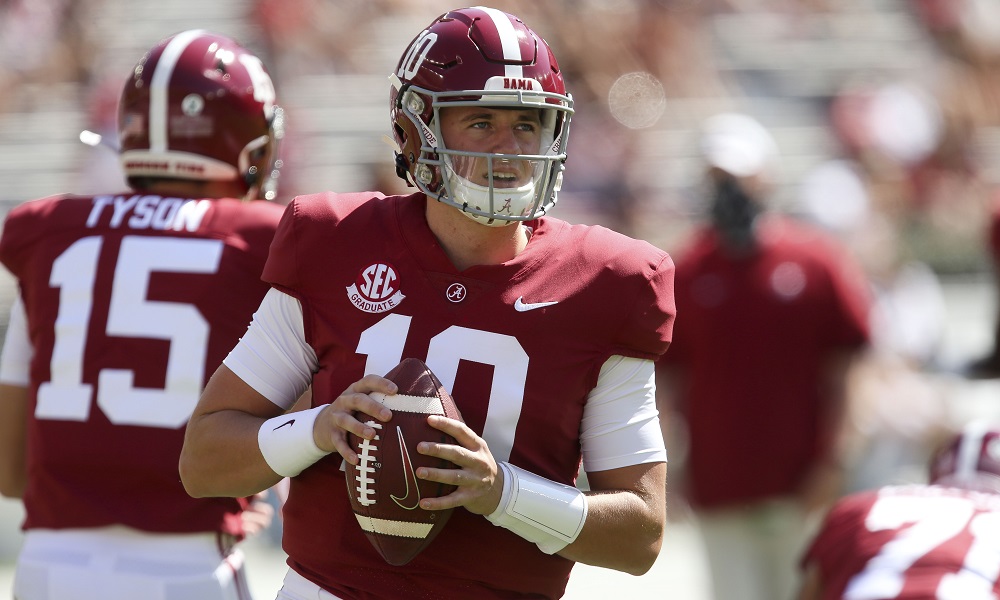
(410, 476)
(521, 306)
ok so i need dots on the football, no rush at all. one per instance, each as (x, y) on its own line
(383, 487)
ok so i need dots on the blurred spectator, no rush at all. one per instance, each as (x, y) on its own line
(988, 366)
(42, 41)
(919, 165)
(896, 408)
(772, 313)
(100, 168)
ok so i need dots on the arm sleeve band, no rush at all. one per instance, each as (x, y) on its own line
(287, 443)
(549, 514)
(621, 426)
(15, 361)
(273, 357)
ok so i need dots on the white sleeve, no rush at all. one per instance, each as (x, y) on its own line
(621, 426)
(15, 361)
(273, 357)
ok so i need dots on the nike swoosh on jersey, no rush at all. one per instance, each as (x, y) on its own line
(409, 475)
(521, 306)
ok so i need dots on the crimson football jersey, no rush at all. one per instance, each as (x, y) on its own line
(132, 302)
(910, 543)
(752, 343)
(519, 345)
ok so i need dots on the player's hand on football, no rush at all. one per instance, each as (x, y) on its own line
(477, 476)
(339, 417)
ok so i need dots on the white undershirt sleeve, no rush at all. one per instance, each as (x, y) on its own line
(15, 361)
(273, 357)
(621, 426)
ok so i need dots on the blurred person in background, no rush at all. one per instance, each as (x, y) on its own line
(898, 406)
(773, 314)
(128, 302)
(918, 541)
(988, 365)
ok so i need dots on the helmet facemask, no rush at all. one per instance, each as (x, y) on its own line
(259, 160)
(492, 189)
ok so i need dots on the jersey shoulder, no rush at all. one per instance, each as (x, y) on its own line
(33, 221)
(309, 228)
(603, 252)
(629, 280)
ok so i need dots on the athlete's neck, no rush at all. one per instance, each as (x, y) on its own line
(468, 243)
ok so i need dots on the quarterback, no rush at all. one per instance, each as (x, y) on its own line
(545, 334)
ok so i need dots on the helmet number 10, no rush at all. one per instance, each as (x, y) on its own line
(416, 54)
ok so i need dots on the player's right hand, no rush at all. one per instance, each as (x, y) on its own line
(342, 415)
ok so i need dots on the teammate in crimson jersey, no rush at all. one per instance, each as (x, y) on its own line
(545, 334)
(128, 302)
(772, 312)
(917, 542)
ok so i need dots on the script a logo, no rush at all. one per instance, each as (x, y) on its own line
(408, 475)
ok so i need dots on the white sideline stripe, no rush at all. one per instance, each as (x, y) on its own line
(411, 404)
(159, 87)
(508, 40)
(397, 528)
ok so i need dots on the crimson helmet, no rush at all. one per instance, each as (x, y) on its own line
(200, 106)
(971, 459)
(479, 57)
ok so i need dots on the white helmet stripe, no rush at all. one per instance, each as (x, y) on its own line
(159, 87)
(508, 41)
(970, 448)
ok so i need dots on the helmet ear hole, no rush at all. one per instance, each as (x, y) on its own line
(402, 167)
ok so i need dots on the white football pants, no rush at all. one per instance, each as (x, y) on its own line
(118, 563)
(297, 587)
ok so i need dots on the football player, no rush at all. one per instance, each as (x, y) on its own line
(128, 302)
(545, 333)
(917, 542)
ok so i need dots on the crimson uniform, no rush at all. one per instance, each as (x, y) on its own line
(519, 345)
(132, 302)
(752, 342)
(910, 543)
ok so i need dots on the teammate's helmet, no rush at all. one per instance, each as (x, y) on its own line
(200, 106)
(971, 459)
(479, 57)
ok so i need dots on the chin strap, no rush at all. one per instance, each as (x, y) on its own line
(549, 514)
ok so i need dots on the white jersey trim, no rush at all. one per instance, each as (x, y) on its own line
(620, 426)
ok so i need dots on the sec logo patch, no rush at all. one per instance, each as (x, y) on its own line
(376, 289)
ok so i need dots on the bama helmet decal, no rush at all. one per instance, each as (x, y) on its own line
(376, 289)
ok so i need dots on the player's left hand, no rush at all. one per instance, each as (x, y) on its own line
(479, 480)
(258, 514)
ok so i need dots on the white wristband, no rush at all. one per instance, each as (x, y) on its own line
(287, 443)
(549, 514)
